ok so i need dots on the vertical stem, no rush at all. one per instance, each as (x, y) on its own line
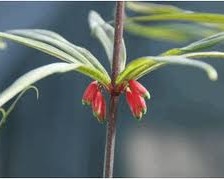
(111, 125)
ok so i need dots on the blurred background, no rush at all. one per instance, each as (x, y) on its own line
(180, 136)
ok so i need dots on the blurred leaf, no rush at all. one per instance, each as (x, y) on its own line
(141, 66)
(198, 45)
(192, 17)
(12, 106)
(44, 71)
(2, 44)
(3, 117)
(152, 8)
(170, 32)
(54, 39)
(204, 24)
(105, 34)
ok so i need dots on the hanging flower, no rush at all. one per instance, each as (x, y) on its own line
(99, 106)
(93, 96)
(139, 88)
(90, 93)
(135, 100)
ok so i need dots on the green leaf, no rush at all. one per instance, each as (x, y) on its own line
(152, 8)
(141, 66)
(12, 106)
(54, 39)
(170, 32)
(54, 51)
(198, 45)
(2, 44)
(29, 33)
(39, 46)
(104, 32)
(44, 71)
(192, 17)
(212, 54)
(3, 117)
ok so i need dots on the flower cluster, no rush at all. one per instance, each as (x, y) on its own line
(93, 96)
(135, 94)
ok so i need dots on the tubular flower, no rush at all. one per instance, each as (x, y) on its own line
(89, 93)
(99, 106)
(93, 96)
(139, 88)
(136, 103)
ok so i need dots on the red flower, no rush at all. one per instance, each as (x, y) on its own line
(89, 93)
(134, 91)
(99, 106)
(139, 88)
(93, 96)
(136, 103)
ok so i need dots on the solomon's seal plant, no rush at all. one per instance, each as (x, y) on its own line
(79, 59)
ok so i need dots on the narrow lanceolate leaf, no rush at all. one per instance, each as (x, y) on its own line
(39, 46)
(171, 32)
(141, 66)
(198, 45)
(44, 71)
(213, 54)
(104, 32)
(190, 17)
(29, 33)
(32, 77)
(152, 8)
(78, 53)
(5, 113)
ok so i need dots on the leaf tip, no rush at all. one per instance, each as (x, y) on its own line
(213, 75)
(3, 45)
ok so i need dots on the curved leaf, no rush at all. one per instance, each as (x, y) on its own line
(2, 44)
(3, 117)
(29, 33)
(12, 106)
(152, 8)
(44, 71)
(54, 39)
(198, 45)
(141, 66)
(213, 54)
(104, 32)
(39, 46)
(171, 32)
(192, 17)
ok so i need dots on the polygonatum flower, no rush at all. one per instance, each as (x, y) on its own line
(90, 93)
(139, 88)
(81, 60)
(99, 106)
(136, 103)
(93, 97)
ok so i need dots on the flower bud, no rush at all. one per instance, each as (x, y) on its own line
(99, 106)
(136, 103)
(89, 93)
(139, 88)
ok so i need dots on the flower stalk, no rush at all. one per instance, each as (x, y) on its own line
(114, 96)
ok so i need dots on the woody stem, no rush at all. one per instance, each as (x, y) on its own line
(111, 125)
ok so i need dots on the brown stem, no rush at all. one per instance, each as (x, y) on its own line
(114, 97)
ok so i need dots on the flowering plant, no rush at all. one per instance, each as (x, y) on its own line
(76, 58)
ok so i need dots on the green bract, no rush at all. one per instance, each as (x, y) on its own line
(81, 60)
